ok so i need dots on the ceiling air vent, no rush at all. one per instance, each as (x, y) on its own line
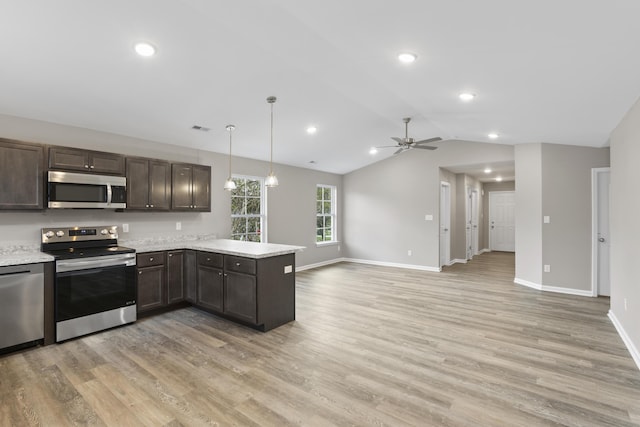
(200, 128)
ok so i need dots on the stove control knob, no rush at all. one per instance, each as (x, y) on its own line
(113, 231)
(59, 233)
(104, 232)
(49, 234)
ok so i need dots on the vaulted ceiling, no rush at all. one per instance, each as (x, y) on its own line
(542, 71)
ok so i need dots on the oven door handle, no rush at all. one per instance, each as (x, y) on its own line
(62, 266)
(109, 194)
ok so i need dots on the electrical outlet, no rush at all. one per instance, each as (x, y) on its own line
(288, 269)
(125, 228)
(178, 225)
(428, 217)
(547, 268)
(409, 252)
(546, 219)
(338, 248)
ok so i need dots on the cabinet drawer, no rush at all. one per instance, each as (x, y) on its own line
(148, 259)
(210, 259)
(240, 264)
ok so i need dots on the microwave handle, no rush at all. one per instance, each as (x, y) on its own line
(109, 194)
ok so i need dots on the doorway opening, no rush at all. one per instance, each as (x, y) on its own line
(600, 243)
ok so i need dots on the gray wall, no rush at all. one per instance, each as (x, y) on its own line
(528, 163)
(385, 203)
(625, 232)
(566, 199)
(291, 205)
(488, 187)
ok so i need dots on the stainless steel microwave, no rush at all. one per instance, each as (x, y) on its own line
(80, 190)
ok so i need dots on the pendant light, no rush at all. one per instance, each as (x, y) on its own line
(229, 184)
(272, 180)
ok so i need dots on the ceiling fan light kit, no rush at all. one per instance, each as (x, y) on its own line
(272, 180)
(406, 143)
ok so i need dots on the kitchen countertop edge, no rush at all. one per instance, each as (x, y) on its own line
(223, 246)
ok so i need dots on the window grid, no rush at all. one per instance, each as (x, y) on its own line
(325, 213)
(247, 209)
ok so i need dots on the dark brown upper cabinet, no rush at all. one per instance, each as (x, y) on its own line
(75, 159)
(191, 187)
(148, 184)
(21, 175)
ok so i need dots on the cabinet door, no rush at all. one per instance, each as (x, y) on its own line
(190, 276)
(181, 187)
(150, 288)
(137, 183)
(210, 288)
(201, 188)
(159, 185)
(175, 276)
(109, 163)
(240, 296)
(68, 158)
(21, 175)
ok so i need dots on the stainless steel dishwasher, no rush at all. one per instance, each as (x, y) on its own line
(21, 304)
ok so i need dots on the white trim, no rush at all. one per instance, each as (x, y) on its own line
(484, 250)
(319, 264)
(555, 289)
(328, 243)
(527, 284)
(594, 228)
(393, 264)
(447, 257)
(635, 354)
(457, 261)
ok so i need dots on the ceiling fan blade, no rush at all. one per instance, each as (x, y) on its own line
(398, 140)
(400, 150)
(426, 141)
(387, 146)
(425, 147)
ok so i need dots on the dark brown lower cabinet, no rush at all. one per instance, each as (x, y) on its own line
(150, 288)
(210, 281)
(190, 276)
(240, 293)
(175, 276)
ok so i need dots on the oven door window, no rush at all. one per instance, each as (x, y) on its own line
(66, 192)
(83, 292)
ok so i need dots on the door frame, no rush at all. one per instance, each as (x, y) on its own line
(490, 239)
(595, 174)
(447, 257)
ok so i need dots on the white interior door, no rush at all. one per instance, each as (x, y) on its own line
(467, 227)
(601, 241)
(474, 222)
(445, 224)
(502, 224)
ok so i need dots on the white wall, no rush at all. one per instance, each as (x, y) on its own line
(625, 231)
(291, 205)
(385, 203)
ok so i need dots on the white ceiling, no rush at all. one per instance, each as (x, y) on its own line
(543, 71)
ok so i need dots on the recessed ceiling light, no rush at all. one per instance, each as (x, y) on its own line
(493, 135)
(498, 178)
(373, 151)
(311, 130)
(145, 49)
(487, 170)
(407, 57)
(467, 96)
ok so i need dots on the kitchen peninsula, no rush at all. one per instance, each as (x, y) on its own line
(248, 282)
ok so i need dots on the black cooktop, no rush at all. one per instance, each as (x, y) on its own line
(70, 253)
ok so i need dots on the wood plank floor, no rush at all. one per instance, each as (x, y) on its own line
(372, 346)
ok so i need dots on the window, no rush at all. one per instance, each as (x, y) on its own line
(247, 209)
(325, 213)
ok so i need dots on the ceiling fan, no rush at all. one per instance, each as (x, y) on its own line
(407, 143)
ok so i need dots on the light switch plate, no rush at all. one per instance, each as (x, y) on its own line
(428, 217)
(546, 219)
(178, 225)
(125, 228)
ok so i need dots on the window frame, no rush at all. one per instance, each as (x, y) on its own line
(263, 207)
(333, 215)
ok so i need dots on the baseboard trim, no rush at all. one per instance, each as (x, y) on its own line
(484, 250)
(393, 264)
(458, 261)
(319, 264)
(555, 289)
(635, 354)
(527, 284)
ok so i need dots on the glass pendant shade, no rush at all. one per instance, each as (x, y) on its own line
(272, 180)
(229, 184)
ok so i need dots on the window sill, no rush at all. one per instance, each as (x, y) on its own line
(332, 243)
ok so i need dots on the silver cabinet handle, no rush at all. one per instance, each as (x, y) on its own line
(86, 166)
(170, 255)
(146, 206)
(91, 167)
(139, 272)
(220, 274)
(151, 259)
(237, 264)
(151, 205)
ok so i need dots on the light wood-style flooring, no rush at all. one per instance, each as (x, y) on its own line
(372, 346)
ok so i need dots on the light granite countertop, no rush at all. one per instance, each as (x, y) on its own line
(223, 246)
(17, 254)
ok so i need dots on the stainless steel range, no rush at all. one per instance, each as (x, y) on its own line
(95, 282)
